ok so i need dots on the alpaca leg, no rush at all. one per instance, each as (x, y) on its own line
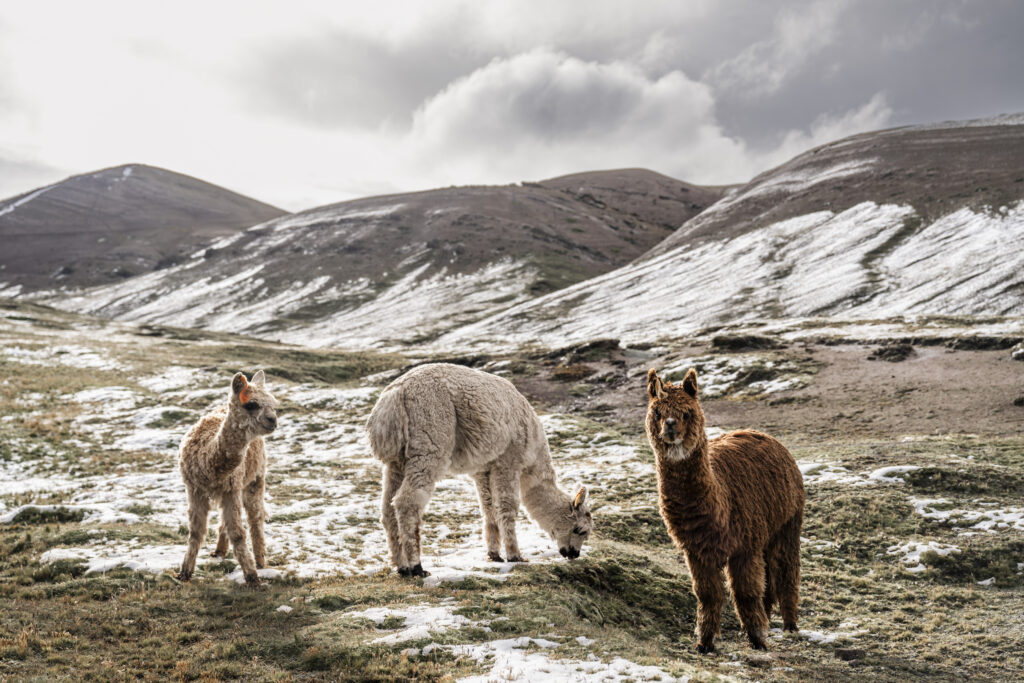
(787, 579)
(222, 542)
(709, 587)
(746, 577)
(771, 567)
(198, 511)
(505, 491)
(392, 481)
(256, 513)
(491, 534)
(231, 509)
(409, 503)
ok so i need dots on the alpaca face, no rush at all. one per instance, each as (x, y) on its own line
(252, 405)
(574, 527)
(675, 420)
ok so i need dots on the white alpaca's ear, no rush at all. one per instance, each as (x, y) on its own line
(580, 498)
(259, 378)
(655, 387)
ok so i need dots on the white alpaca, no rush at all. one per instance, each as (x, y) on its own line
(223, 460)
(441, 419)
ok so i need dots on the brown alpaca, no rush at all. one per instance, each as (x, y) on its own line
(734, 503)
(223, 460)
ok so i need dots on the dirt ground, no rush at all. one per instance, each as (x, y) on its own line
(936, 390)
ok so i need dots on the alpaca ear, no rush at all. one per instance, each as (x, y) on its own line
(580, 498)
(690, 382)
(259, 378)
(240, 387)
(655, 387)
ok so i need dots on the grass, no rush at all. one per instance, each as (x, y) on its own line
(629, 594)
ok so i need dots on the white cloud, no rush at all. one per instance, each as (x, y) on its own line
(544, 113)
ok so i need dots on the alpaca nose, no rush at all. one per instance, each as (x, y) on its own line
(272, 421)
(670, 422)
(564, 552)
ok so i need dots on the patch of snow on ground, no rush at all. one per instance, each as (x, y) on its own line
(887, 474)
(510, 661)
(989, 519)
(911, 552)
(70, 356)
(419, 621)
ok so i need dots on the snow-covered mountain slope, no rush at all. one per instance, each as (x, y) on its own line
(402, 269)
(111, 224)
(904, 222)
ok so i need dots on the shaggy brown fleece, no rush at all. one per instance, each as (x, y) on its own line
(734, 503)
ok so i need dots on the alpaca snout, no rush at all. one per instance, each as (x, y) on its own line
(270, 423)
(571, 553)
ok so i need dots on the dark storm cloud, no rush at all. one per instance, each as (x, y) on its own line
(932, 60)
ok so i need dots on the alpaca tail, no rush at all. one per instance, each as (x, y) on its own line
(388, 427)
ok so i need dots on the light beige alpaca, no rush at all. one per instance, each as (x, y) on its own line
(441, 419)
(223, 460)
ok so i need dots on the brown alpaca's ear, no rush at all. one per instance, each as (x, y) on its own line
(655, 387)
(580, 498)
(240, 387)
(690, 382)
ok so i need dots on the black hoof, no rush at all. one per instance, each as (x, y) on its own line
(705, 649)
(418, 570)
(253, 582)
(494, 557)
(517, 558)
(758, 645)
(790, 627)
(183, 576)
(403, 571)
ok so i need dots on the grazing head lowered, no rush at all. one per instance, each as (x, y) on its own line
(251, 406)
(675, 421)
(573, 528)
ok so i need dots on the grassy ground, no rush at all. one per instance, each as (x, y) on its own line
(907, 573)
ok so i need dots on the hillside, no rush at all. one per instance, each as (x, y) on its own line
(112, 224)
(915, 221)
(406, 268)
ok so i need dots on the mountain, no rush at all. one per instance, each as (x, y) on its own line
(913, 221)
(112, 224)
(406, 268)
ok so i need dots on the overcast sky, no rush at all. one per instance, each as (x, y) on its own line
(301, 104)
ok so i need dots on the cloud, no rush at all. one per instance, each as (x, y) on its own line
(544, 113)
(875, 114)
(798, 35)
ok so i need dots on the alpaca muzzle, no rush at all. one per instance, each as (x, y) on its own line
(570, 553)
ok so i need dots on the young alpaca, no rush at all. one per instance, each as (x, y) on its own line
(734, 503)
(222, 459)
(441, 419)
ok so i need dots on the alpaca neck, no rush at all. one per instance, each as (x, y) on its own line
(692, 499)
(546, 503)
(232, 442)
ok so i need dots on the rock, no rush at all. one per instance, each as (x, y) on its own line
(894, 353)
(850, 654)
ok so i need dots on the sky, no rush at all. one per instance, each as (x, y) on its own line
(301, 104)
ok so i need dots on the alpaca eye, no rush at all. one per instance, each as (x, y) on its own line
(251, 406)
